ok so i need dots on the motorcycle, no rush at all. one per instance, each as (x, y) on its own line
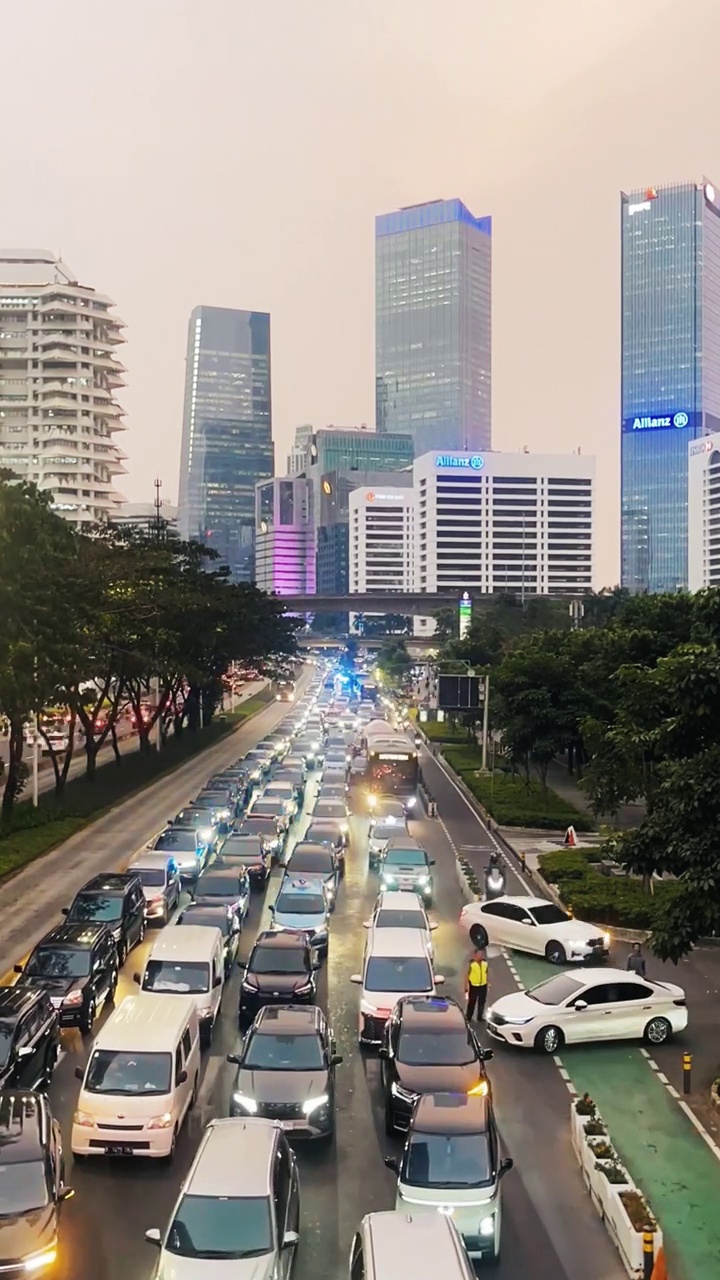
(494, 883)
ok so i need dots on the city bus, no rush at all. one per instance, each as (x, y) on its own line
(393, 766)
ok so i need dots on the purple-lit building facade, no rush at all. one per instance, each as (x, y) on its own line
(284, 536)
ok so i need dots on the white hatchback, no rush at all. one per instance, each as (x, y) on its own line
(537, 926)
(597, 1004)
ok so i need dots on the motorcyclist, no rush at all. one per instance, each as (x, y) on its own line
(494, 878)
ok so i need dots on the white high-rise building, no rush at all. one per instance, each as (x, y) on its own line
(381, 539)
(58, 377)
(704, 513)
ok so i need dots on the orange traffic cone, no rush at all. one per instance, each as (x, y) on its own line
(659, 1271)
(570, 838)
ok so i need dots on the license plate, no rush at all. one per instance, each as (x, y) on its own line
(293, 1124)
(384, 1013)
(119, 1151)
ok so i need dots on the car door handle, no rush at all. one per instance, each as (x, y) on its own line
(607, 1012)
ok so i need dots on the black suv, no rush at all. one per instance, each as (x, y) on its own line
(116, 900)
(280, 971)
(77, 964)
(29, 1028)
(32, 1183)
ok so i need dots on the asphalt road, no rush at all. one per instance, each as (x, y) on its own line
(550, 1230)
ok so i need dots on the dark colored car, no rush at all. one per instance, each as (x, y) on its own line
(280, 970)
(315, 861)
(238, 779)
(259, 762)
(266, 830)
(226, 795)
(326, 833)
(32, 1184)
(77, 965)
(272, 809)
(428, 1047)
(199, 821)
(247, 851)
(224, 886)
(29, 1038)
(219, 813)
(117, 900)
(222, 918)
(286, 1072)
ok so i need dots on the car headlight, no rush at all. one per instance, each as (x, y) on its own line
(387, 879)
(84, 1120)
(249, 986)
(606, 939)
(410, 803)
(344, 828)
(487, 1225)
(247, 1104)
(423, 879)
(206, 834)
(223, 813)
(303, 990)
(516, 1022)
(479, 1090)
(407, 1095)
(73, 998)
(161, 1122)
(37, 1261)
(312, 1104)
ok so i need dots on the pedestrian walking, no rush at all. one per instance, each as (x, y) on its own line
(477, 984)
(636, 961)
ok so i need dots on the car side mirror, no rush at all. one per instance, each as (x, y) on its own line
(137, 978)
(271, 910)
(234, 1058)
(486, 1054)
(505, 1166)
(431, 862)
(434, 925)
(17, 968)
(527, 920)
(64, 911)
(290, 1239)
(182, 1077)
(153, 1237)
(317, 963)
(439, 979)
(217, 980)
(357, 978)
(79, 1073)
(66, 1193)
(27, 1051)
(580, 1005)
(393, 1163)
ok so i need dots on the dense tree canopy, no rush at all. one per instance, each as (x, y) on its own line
(92, 623)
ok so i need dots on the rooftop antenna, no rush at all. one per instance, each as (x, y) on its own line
(158, 509)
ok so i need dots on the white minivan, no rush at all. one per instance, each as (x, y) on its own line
(188, 962)
(141, 1080)
(396, 963)
(390, 1244)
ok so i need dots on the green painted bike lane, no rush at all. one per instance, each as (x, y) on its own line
(661, 1149)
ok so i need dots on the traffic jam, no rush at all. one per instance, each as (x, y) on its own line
(276, 827)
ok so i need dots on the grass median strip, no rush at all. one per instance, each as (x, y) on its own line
(34, 832)
(512, 801)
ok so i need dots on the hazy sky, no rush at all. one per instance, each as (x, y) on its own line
(235, 153)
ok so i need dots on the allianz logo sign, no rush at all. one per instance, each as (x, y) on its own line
(646, 424)
(474, 463)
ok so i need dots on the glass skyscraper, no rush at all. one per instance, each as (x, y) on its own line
(670, 370)
(433, 326)
(227, 432)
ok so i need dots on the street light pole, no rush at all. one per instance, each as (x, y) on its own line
(36, 762)
(486, 721)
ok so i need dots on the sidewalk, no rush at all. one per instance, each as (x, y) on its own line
(560, 781)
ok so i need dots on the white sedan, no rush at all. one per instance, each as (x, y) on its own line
(537, 926)
(597, 1004)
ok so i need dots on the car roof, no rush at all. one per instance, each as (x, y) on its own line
(522, 900)
(74, 935)
(150, 861)
(429, 1240)
(398, 942)
(436, 1014)
(234, 1160)
(403, 841)
(108, 883)
(277, 783)
(302, 884)
(296, 1020)
(243, 838)
(593, 977)
(146, 1023)
(193, 942)
(399, 900)
(451, 1113)
(217, 872)
(24, 1127)
(310, 846)
(16, 999)
(282, 941)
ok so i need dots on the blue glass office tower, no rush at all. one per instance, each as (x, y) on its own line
(670, 370)
(433, 326)
(227, 432)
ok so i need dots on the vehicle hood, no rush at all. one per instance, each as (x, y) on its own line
(282, 1086)
(280, 982)
(422, 1198)
(519, 1005)
(57, 988)
(27, 1234)
(137, 1108)
(427, 1079)
(576, 931)
(172, 1268)
(303, 920)
(404, 871)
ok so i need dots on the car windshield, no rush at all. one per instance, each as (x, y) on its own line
(549, 914)
(433, 1049)
(128, 1074)
(448, 1161)
(283, 1053)
(177, 978)
(7, 1034)
(296, 904)
(405, 858)
(97, 907)
(23, 1188)
(278, 960)
(58, 962)
(221, 1227)
(266, 808)
(151, 877)
(555, 990)
(178, 841)
(318, 864)
(405, 919)
(217, 886)
(208, 919)
(397, 973)
(191, 818)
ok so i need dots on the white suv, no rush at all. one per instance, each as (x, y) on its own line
(400, 909)
(240, 1201)
(396, 964)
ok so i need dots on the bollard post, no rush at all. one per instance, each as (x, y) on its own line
(687, 1073)
(523, 867)
(570, 911)
(648, 1254)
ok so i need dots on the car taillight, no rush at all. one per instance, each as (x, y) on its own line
(680, 1003)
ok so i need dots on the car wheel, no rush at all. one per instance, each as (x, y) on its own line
(141, 934)
(122, 951)
(88, 1018)
(113, 987)
(555, 953)
(549, 1040)
(479, 935)
(171, 1153)
(657, 1031)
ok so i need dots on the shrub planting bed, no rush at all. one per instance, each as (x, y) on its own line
(614, 900)
(510, 800)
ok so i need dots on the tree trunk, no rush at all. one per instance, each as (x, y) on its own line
(91, 751)
(62, 778)
(115, 745)
(14, 780)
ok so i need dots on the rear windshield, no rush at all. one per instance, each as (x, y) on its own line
(174, 977)
(178, 841)
(405, 919)
(319, 864)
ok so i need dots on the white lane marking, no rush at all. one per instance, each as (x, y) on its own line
(688, 1111)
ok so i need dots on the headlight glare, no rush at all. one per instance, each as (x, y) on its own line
(312, 1104)
(247, 1104)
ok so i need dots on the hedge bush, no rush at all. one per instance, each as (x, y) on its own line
(613, 900)
(510, 801)
(442, 731)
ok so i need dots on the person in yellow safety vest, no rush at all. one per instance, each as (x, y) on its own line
(477, 984)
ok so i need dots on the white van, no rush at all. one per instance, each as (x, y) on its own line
(424, 1246)
(396, 963)
(141, 1080)
(188, 962)
(400, 909)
